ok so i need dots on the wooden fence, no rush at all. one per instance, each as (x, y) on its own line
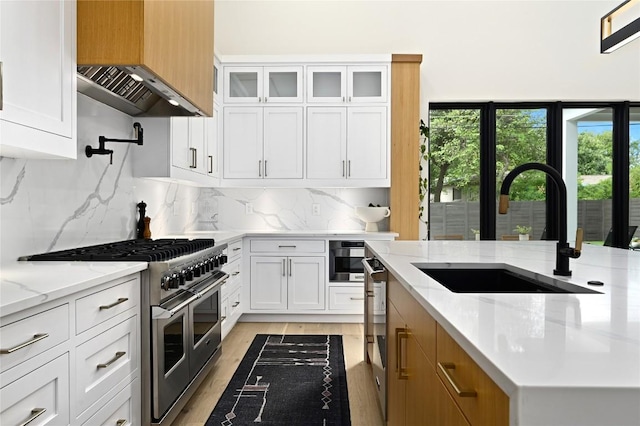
(457, 218)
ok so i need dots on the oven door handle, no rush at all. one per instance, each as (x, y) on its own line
(369, 268)
(213, 285)
(160, 312)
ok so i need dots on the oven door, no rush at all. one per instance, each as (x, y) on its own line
(205, 330)
(345, 261)
(170, 354)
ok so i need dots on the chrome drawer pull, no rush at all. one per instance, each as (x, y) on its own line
(237, 248)
(235, 273)
(116, 303)
(357, 298)
(222, 319)
(121, 422)
(115, 358)
(286, 246)
(35, 413)
(444, 367)
(235, 304)
(36, 338)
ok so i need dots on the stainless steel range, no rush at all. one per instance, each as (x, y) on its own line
(180, 314)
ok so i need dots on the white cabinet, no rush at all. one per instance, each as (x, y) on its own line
(72, 360)
(181, 148)
(231, 291)
(347, 143)
(293, 283)
(263, 142)
(257, 84)
(38, 79)
(217, 82)
(347, 84)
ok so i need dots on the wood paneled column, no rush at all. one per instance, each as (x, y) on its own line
(405, 145)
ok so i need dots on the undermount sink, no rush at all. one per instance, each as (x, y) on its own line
(483, 278)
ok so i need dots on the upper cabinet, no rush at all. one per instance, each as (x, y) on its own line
(170, 40)
(38, 79)
(274, 84)
(347, 84)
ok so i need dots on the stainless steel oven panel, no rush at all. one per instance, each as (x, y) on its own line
(205, 327)
(345, 261)
(169, 384)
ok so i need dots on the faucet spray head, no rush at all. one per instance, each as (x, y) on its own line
(503, 206)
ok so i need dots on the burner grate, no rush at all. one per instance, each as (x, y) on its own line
(129, 250)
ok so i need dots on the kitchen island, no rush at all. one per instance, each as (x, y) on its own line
(562, 359)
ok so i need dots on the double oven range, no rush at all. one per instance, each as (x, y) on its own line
(180, 314)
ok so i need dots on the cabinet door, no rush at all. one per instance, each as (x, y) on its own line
(213, 136)
(420, 405)
(367, 84)
(243, 84)
(268, 284)
(326, 142)
(327, 84)
(367, 143)
(38, 51)
(197, 143)
(282, 84)
(217, 82)
(306, 287)
(243, 142)
(180, 155)
(283, 143)
(396, 387)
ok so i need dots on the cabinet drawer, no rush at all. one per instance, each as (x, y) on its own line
(45, 390)
(46, 330)
(421, 324)
(234, 250)
(346, 298)
(104, 361)
(489, 405)
(123, 408)
(287, 246)
(98, 307)
(234, 271)
(235, 308)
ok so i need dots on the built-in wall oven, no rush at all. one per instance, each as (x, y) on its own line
(375, 325)
(345, 261)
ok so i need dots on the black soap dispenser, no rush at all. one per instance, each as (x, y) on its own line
(142, 207)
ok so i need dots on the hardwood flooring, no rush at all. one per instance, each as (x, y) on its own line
(363, 400)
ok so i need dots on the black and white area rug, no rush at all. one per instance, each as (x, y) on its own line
(291, 380)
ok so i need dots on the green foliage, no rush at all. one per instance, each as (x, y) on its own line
(521, 229)
(599, 191)
(595, 153)
(634, 182)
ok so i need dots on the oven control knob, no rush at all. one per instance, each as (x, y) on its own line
(182, 277)
(207, 265)
(175, 281)
(196, 270)
(203, 267)
(223, 259)
(216, 261)
(166, 283)
(188, 275)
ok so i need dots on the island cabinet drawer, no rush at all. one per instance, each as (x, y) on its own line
(421, 325)
(346, 298)
(98, 307)
(104, 361)
(31, 336)
(479, 398)
(234, 250)
(40, 397)
(287, 246)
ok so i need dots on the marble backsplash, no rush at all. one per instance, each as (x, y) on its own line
(48, 205)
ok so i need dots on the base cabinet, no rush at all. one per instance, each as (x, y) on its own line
(424, 362)
(74, 361)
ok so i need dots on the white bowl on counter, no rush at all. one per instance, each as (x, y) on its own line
(372, 215)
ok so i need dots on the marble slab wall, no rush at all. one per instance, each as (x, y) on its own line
(48, 205)
(287, 208)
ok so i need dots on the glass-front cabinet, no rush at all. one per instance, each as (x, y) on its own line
(347, 84)
(277, 84)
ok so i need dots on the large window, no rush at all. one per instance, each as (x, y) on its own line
(472, 146)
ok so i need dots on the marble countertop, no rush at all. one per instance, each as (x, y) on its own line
(27, 284)
(561, 358)
(230, 235)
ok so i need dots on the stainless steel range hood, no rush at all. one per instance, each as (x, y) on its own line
(117, 87)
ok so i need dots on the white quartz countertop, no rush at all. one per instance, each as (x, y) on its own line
(27, 284)
(225, 236)
(561, 358)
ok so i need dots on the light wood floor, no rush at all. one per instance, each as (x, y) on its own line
(363, 402)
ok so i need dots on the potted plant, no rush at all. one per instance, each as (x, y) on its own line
(476, 232)
(523, 232)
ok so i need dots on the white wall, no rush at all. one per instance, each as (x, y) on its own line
(472, 50)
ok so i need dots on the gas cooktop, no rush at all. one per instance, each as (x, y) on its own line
(129, 250)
